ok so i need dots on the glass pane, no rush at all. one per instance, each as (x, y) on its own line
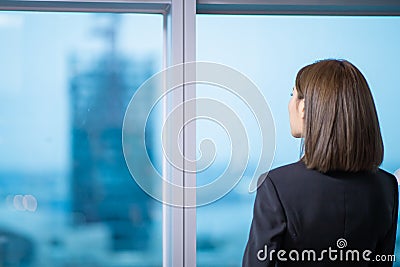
(66, 195)
(270, 50)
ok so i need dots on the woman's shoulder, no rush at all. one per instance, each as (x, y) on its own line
(382, 172)
(289, 171)
(297, 174)
(287, 174)
(298, 165)
(389, 179)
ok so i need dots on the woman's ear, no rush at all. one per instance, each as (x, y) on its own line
(301, 108)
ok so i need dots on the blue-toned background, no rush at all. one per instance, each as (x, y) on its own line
(66, 197)
(270, 50)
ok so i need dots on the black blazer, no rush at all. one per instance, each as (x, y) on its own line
(301, 209)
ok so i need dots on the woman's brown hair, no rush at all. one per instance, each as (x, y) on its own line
(341, 127)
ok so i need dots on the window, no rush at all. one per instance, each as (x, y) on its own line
(68, 73)
(270, 50)
(67, 197)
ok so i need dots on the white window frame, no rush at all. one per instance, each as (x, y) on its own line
(179, 224)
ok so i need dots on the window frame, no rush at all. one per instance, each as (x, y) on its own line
(179, 30)
(301, 7)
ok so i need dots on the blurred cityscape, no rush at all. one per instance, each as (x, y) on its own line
(102, 187)
(94, 215)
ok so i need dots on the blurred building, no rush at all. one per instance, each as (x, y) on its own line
(102, 189)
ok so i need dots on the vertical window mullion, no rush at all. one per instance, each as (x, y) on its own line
(179, 224)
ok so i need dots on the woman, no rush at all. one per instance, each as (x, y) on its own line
(334, 207)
